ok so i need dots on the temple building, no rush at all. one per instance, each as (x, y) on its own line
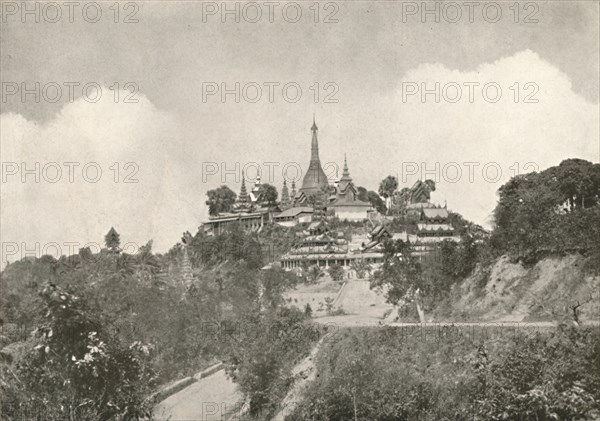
(294, 216)
(247, 211)
(316, 199)
(318, 246)
(255, 192)
(432, 223)
(342, 199)
(419, 197)
(433, 226)
(346, 205)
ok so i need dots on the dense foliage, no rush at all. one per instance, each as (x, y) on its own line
(551, 212)
(394, 374)
(425, 280)
(261, 352)
(220, 200)
(554, 212)
(336, 272)
(233, 245)
(119, 302)
(268, 194)
(77, 369)
(373, 198)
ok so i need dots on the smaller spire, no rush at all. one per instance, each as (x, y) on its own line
(293, 192)
(314, 126)
(243, 197)
(285, 197)
(346, 172)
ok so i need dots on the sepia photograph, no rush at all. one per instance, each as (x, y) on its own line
(310, 210)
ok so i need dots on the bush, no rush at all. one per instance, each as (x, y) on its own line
(336, 272)
(75, 370)
(394, 374)
(261, 360)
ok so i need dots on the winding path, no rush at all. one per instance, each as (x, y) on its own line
(212, 398)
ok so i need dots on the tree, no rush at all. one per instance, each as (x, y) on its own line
(313, 273)
(112, 240)
(362, 194)
(274, 282)
(268, 194)
(377, 202)
(542, 213)
(220, 200)
(387, 187)
(430, 185)
(401, 276)
(578, 182)
(336, 272)
(361, 268)
(261, 362)
(146, 264)
(401, 200)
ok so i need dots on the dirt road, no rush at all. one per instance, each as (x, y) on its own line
(206, 400)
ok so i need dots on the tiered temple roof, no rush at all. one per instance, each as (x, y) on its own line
(346, 194)
(243, 196)
(345, 182)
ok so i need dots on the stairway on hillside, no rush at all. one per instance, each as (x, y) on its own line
(358, 299)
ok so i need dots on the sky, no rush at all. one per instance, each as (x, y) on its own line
(467, 100)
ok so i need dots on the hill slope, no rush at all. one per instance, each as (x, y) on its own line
(512, 292)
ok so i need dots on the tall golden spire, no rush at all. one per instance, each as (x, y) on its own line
(314, 147)
(315, 179)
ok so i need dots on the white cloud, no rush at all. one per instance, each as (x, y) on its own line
(560, 125)
(104, 133)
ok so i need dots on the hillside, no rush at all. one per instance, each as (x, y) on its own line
(506, 291)
(396, 374)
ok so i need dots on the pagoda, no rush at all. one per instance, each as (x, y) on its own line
(315, 181)
(285, 196)
(243, 203)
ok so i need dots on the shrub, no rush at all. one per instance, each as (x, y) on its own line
(394, 374)
(75, 370)
(336, 272)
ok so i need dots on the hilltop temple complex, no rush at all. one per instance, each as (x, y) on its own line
(296, 206)
(317, 200)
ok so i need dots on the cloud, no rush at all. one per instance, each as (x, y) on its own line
(512, 134)
(133, 145)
